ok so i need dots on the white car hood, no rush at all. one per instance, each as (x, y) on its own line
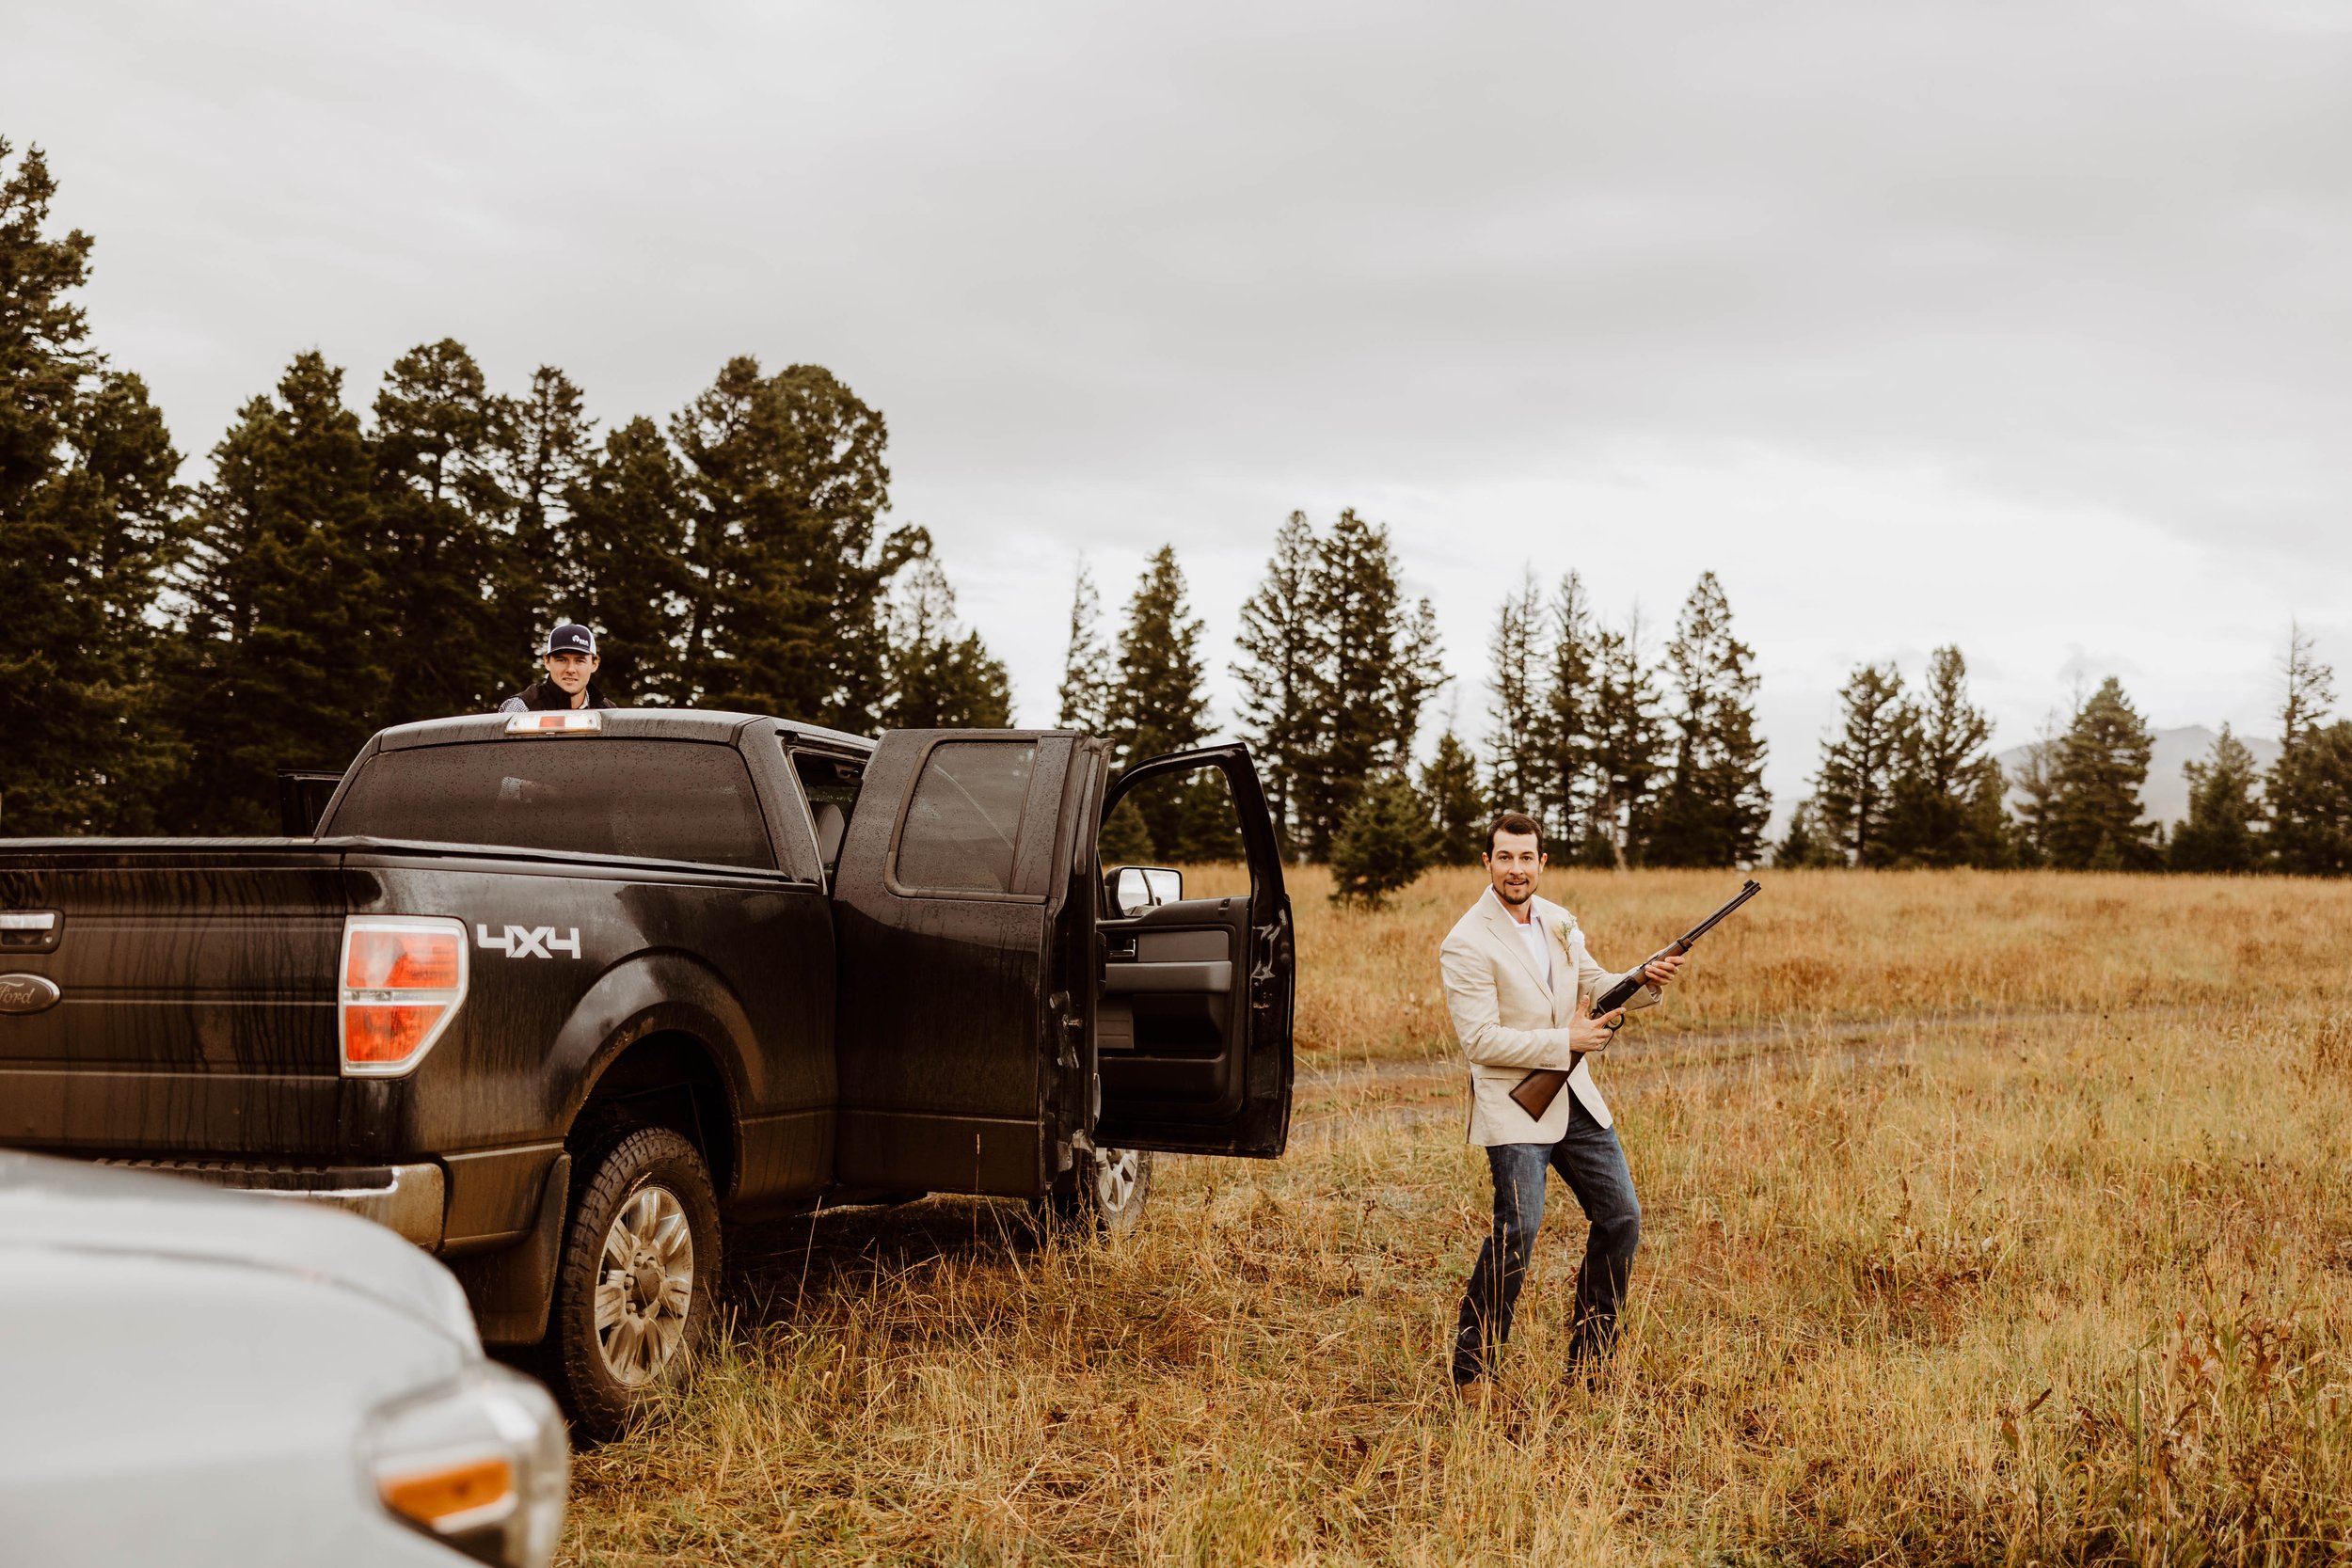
(70, 1205)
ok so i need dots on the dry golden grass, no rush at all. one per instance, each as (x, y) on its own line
(1988, 1219)
(1830, 945)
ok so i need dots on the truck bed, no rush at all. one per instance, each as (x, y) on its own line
(195, 984)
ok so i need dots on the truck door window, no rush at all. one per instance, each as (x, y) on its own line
(647, 799)
(830, 784)
(965, 821)
(1185, 819)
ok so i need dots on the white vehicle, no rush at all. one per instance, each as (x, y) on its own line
(190, 1376)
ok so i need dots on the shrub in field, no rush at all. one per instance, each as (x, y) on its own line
(1383, 846)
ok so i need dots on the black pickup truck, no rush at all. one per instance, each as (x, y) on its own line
(553, 994)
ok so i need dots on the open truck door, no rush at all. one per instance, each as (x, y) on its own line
(994, 1009)
(1192, 1029)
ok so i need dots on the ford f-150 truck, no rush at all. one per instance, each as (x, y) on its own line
(557, 994)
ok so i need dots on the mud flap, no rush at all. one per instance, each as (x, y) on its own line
(510, 1289)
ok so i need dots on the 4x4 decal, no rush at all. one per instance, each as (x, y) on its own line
(528, 941)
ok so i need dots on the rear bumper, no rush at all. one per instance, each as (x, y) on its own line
(411, 1200)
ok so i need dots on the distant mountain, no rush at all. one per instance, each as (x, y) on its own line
(2165, 797)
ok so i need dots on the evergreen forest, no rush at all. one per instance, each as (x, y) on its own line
(175, 646)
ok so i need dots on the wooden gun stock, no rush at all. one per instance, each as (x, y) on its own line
(1535, 1092)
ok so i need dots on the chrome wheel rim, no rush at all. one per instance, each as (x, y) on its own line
(1115, 1174)
(647, 1286)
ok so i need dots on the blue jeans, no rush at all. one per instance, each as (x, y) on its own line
(1590, 1160)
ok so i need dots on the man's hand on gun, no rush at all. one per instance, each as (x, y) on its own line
(1591, 1036)
(1658, 972)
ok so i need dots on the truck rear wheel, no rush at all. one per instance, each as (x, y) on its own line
(635, 1287)
(1108, 1190)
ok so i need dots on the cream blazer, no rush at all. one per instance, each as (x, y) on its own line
(1511, 1020)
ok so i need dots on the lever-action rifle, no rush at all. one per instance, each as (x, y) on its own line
(1538, 1089)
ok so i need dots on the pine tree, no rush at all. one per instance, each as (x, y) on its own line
(1628, 737)
(92, 742)
(1208, 823)
(550, 454)
(1947, 790)
(1518, 765)
(2219, 834)
(1713, 807)
(1569, 787)
(1455, 806)
(1853, 792)
(2035, 781)
(941, 675)
(44, 361)
(1125, 840)
(1810, 842)
(91, 516)
(2302, 834)
(624, 547)
(282, 666)
(1379, 667)
(1989, 836)
(2322, 784)
(1283, 650)
(1085, 693)
(1383, 846)
(1160, 706)
(2310, 686)
(442, 539)
(2094, 818)
(785, 564)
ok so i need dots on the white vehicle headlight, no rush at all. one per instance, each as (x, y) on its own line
(480, 1463)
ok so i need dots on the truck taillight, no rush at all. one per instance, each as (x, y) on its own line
(401, 957)
(402, 980)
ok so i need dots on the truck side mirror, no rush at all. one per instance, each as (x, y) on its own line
(1137, 888)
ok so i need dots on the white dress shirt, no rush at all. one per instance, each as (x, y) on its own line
(1532, 935)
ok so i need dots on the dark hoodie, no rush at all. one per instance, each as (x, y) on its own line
(544, 695)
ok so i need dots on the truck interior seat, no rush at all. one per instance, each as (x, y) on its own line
(832, 822)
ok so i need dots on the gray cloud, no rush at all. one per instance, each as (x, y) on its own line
(2021, 326)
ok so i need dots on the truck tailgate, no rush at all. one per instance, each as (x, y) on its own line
(195, 987)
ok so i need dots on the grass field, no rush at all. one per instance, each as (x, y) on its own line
(1988, 1218)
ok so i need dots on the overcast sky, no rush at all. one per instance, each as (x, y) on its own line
(2018, 326)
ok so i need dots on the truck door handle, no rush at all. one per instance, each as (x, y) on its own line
(1262, 975)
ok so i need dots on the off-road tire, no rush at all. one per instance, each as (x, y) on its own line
(638, 1180)
(1108, 1191)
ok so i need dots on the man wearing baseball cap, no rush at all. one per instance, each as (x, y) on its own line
(569, 659)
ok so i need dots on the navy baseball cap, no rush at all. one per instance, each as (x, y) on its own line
(570, 638)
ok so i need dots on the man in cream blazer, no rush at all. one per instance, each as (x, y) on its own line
(1518, 982)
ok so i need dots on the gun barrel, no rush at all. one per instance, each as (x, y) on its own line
(1747, 890)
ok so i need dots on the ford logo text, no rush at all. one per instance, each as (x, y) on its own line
(27, 994)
